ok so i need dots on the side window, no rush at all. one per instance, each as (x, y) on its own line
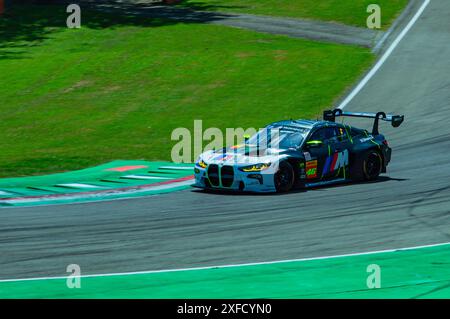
(325, 135)
(341, 134)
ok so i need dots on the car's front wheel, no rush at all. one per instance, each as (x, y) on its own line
(284, 177)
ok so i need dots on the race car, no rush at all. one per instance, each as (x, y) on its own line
(299, 154)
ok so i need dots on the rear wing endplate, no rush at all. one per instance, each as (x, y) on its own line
(396, 120)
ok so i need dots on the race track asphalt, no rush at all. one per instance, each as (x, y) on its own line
(409, 206)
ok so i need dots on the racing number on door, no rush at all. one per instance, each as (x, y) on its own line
(311, 169)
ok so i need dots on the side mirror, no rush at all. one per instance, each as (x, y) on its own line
(314, 144)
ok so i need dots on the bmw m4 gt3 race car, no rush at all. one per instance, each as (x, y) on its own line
(299, 153)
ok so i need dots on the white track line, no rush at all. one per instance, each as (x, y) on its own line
(78, 185)
(177, 168)
(233, 265)
(143, 177)
(385, 56)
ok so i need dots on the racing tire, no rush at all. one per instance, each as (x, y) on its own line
(284, 177)
(369, 168)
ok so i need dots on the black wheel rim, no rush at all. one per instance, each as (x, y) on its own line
(373, 165)
(283, 178)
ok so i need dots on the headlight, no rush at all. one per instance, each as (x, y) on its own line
(255, 168)
(202, 164)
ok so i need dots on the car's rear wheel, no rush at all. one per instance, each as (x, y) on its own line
(368, 168)
(372, 165)
(284, 177)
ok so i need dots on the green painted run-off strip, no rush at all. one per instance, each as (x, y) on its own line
(416, 273)
(113, 180)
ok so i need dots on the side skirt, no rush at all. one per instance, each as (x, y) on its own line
(330, 182)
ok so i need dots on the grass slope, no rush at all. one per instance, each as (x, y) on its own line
(117, 87)
(352, 12)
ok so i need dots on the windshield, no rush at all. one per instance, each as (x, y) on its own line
(282, 137)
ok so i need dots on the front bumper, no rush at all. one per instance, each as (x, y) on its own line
(227, 177)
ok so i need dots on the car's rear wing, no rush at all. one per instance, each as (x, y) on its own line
(396, 120)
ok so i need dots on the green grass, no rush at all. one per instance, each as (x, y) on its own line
(352, 12)
(117, 87)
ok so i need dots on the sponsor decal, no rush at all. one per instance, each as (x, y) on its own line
(336, 161)
(302, 171)
(366, 139)
(223, 157)
(311, 169)
(307, 156)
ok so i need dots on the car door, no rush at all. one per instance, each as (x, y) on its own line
(318, 148)
(336, 165)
